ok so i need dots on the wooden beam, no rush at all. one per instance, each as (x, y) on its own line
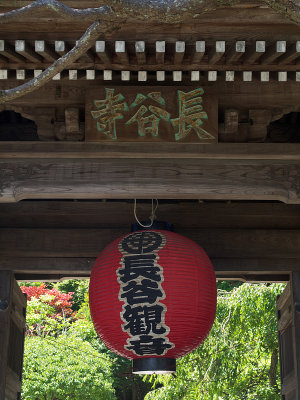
(107, 75)
(236, 52)
(160, 76)
(43, 48)
(12, 331)
(119, 214)
(73, 251)
(273, 52)
(5, 294)
(217, 52)
(289, 343)
(199, 51)
(55, 268)
(102, 52)
(8, 51)
(292, 53)
(61, 47)
(160, 47)
(121, 52)
(106, 150)
(255, 52)
(140, 52)
(180, 176)
(142, 76)
(23, 48)
(179, 52)
(219, 243)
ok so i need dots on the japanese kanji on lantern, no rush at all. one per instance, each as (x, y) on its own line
(153, 298)
(137, 113)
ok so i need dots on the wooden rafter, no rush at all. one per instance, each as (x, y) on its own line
(85, 42)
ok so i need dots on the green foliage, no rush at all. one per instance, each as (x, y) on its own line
(65, 368)
(127, 386)
(234, 363)
(79, 287)
(48, 310)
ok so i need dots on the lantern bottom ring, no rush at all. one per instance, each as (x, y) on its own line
(154, 365)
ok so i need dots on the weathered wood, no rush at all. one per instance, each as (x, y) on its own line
(61, 47)
(12, 330)
(102, 52)
(217, 52)
(20, 74)
(140, 52)
(107, 75)
(292, 53)
(72, 120)
(5, 293)
(55, 268)
(273, 52)
(170, 179)
(160, 76)
(167, 10)
(180, 151)
(254, 243)
(8, 51)
(121, 51)
(177, 76)
(236, 52)
(199, 51)
(255, 51)
(179, 52)
(118, 214)
(160, 51)
(204, 175)
(70, 252)
(43, 48)
(289, 328)
(133, 65)
(24, 48)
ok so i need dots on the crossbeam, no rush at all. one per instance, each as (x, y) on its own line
(54, 239)
(150, 171)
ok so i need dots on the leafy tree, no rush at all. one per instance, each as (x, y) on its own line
(65, 368)
(239, 359)
(48, 311)
(79, 287)
(126, 385)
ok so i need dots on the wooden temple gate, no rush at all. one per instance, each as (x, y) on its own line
(197, 106)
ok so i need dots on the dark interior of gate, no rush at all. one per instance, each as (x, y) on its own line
(196, 106)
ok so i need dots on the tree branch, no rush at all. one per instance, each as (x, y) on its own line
(169, 11)
(84, 43)
(89, 14)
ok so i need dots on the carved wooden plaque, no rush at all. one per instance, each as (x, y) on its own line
(147, 113)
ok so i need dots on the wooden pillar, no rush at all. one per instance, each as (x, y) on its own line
(288, 307)
(12, 329)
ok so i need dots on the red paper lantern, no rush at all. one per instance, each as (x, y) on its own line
(153, 298)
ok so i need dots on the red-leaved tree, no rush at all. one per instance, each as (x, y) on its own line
(48, 310)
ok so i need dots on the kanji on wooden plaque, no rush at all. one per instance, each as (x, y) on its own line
(147, 113)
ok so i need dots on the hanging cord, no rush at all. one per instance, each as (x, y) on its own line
(152, 216)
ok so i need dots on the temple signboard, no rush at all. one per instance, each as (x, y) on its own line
(147, 113)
